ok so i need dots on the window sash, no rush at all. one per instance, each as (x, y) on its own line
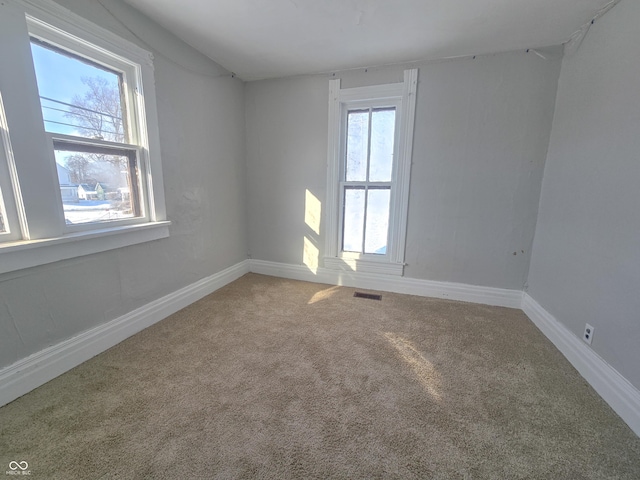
(122, 87)
(135, 172)
(366, 187)
(129, 71)
(370, 106)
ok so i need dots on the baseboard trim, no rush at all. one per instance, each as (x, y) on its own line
(616, 390)
(389, 283)
(41, 367)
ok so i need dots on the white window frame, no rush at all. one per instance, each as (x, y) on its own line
(10, 203)
(38, 232)
(403, 97)
(133, 108)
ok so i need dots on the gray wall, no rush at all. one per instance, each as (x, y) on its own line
(482, 131)
(481, 137)
(585, 266)
(201, 121)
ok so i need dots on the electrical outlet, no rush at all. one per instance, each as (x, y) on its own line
(588, 333)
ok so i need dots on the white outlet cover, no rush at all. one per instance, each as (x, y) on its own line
(588, 333)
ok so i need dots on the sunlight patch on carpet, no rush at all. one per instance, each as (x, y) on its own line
(424, 370)
(323, 295)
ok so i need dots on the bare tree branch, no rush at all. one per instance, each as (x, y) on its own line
(102, 96)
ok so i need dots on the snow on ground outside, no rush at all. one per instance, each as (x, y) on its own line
(87, 211)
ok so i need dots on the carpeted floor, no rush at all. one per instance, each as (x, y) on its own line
(273, 378)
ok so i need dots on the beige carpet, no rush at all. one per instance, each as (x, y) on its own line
(273, 378)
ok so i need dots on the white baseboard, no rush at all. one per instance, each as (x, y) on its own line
(39, 368)
(388, 283)
(616, 390)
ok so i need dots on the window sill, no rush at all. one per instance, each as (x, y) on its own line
(364, 266)
(31, 253)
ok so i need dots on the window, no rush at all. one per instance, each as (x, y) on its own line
(85, 164)
(90, 116)
(366, 184)
(371, 130)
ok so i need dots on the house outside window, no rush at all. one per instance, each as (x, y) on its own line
(370, 146)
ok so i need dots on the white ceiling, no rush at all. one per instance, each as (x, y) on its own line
(259, 39)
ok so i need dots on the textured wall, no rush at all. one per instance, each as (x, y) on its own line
(585, 266)
(480, 142)
(201, 121)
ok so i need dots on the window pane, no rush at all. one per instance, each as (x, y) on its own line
(96, 187)
(2, 227)
(377, 221)
(357, 145)
(383, 122)
(78, 97)
(353, 219)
